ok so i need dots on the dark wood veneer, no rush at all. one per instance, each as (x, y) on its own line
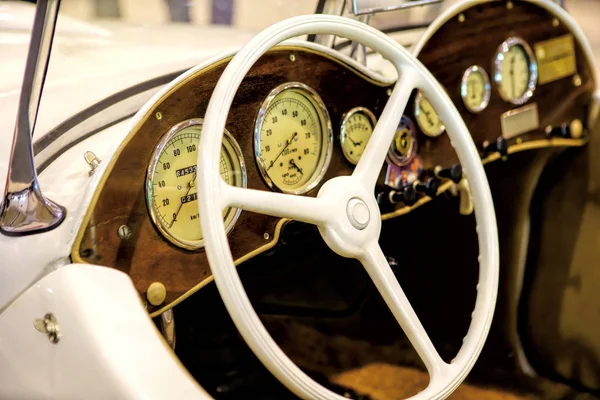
(147, 257)
(458, 45)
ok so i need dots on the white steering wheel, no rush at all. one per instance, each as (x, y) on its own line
(345, 210)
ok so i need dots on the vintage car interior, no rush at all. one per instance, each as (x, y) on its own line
(522, 77)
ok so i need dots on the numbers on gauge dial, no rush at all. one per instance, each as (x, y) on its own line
(427, 119)
(290, 141)
(515, 72)
(355, 132)
(475, 89)
(173, 186)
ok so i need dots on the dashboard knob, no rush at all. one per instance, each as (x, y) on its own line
(430, 187)
(454, 173)
(408, 196)
(500, 145)
(156, 293)
(574, 130)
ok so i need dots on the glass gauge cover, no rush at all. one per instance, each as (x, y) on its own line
(293, 139)
(355, 131)
(427, 118)
(404, 146)
(475, 89)
(515, 71)
(171, 183)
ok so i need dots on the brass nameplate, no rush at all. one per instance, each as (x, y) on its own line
(555, 58)
(520, 120)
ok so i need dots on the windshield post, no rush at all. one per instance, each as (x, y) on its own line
(24, 209)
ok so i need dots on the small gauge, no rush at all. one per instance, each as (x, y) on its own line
(355, 131)
(427, 118)
(475, 89)
(293, 138)
(515, 71)
(171, 183)
(404, 146)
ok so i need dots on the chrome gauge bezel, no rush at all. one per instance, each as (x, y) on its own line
(192, 245)
(326, 132)
(432, 134)
(487, 87)
(533, 69)
(344, 123)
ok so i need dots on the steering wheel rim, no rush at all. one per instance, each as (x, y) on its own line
(335, 225)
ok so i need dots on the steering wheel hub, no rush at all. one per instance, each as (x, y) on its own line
(358, 213)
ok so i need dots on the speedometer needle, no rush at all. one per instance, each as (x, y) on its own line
(190, 186)
(354, 143)
(293, 163)
(282, 150)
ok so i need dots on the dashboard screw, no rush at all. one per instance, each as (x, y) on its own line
(509, 5)
(292, 57)
(389, 92)
(124, 232)
(266, 236)
(461, 18)
(576, 80)
(555, 22)
(159, 115)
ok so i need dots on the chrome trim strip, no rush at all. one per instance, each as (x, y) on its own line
(25, 210)
(373, 10)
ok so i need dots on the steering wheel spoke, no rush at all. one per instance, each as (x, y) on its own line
(372, 159)
(376, 265)
(312, 210)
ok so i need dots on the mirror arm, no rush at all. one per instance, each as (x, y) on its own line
(24, 209)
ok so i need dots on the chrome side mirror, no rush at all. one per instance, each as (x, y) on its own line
(24, 209)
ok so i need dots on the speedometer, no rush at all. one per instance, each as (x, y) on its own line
(293, 139)
(171, 183)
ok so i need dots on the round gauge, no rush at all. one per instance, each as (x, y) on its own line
(515, 71)
(404, 146)
(427, 118)
(171, 183)
(355, 131)
(475, 89)
(293, 139)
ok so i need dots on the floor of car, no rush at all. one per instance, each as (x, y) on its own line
(385, 381)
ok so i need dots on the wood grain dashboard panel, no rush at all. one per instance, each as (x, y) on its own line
(472, 38)
(146, 256)
(461, 42)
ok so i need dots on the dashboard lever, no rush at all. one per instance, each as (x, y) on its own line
(463, 190)
(500, 145)
(408, 196)
(454, 173)
(430, 188)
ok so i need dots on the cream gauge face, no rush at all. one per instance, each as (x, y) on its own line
(171, 183)
(475, 89)
(355, 131)
(293, 139)
(427, 119)
(515, 71)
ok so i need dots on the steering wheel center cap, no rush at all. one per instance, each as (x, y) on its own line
(358, 213)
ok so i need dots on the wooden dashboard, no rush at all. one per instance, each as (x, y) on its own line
(470, 38)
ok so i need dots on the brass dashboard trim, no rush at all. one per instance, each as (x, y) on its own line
(516, 148)
(75, 249)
